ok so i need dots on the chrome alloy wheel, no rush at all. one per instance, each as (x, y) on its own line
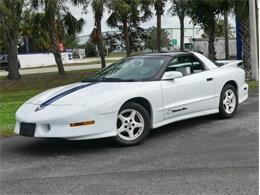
(130, 124)
(229, 101)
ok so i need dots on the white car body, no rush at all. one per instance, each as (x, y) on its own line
(169, 101)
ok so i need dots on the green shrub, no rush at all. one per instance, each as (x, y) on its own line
(90, 49)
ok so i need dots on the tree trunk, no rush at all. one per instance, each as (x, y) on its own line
(13, 72)
(226, 35)
(55, 51)
(10, 19)
(59, 62)
(158, 34)
(100, 44)
(126, 36)
(181, 18)
(211, 41)
(245, 36)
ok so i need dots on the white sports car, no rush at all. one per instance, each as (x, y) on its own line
(132, 96)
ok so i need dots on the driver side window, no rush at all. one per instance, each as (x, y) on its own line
(186, 65)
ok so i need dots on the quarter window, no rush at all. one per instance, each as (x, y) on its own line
(197, 66)
(186, 65)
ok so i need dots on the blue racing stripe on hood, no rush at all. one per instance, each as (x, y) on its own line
(61, 95)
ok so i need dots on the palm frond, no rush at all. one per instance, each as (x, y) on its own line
(72, 24)
(112, 20)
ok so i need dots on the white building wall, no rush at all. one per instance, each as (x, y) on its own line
(41, 59)
(189, 34)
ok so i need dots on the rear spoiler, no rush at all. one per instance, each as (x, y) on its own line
(230, 63)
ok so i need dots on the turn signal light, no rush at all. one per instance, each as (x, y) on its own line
(82, 123)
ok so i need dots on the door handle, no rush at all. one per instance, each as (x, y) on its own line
(209, 79)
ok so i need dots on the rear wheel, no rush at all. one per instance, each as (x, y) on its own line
(228, 101)
(133, 124)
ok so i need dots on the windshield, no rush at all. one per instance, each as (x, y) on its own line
(132, 69)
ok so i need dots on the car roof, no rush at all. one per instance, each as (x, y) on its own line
(172, 54)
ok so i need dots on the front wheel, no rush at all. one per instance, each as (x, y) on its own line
(133, 124)
(228, 101)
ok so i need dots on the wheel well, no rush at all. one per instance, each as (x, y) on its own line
(233, 83)
(143, 102)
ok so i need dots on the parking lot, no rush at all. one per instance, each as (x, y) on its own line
(204, 155)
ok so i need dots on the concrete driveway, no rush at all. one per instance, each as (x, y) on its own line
(205, 155)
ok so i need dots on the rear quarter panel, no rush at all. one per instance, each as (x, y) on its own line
(223, 75)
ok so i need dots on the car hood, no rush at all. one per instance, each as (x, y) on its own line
(86, 93)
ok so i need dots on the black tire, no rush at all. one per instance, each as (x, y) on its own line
(146, 129)
(222, 112)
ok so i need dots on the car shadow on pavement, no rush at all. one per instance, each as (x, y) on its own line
(49, 147)
(61, 146)
(181, 126)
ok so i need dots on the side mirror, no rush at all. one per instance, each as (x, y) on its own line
(171, 75)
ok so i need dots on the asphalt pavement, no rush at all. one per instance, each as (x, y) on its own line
(204, 155)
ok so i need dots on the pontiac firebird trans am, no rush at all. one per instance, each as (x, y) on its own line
(132, 96)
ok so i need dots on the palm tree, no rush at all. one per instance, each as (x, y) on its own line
(226, 28)
(125, 12)
(241, 8)
(180, 8)
(98, 9)
(224, 6)
(10, 17)
(51, 8)
(159, 10)
(204, 13)
(121, 11)
(57, 22)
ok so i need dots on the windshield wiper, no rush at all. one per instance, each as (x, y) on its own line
(108, 80)
(116, 79)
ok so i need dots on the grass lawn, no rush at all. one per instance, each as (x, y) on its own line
(15, 93)
(253, 84)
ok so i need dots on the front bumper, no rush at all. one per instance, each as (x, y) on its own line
(54, 122)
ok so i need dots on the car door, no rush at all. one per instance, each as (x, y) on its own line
(194, 92)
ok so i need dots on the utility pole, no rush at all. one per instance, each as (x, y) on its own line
(253, 39)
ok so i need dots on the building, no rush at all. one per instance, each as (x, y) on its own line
(173, 33)
(83, 39)
(189, 34)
